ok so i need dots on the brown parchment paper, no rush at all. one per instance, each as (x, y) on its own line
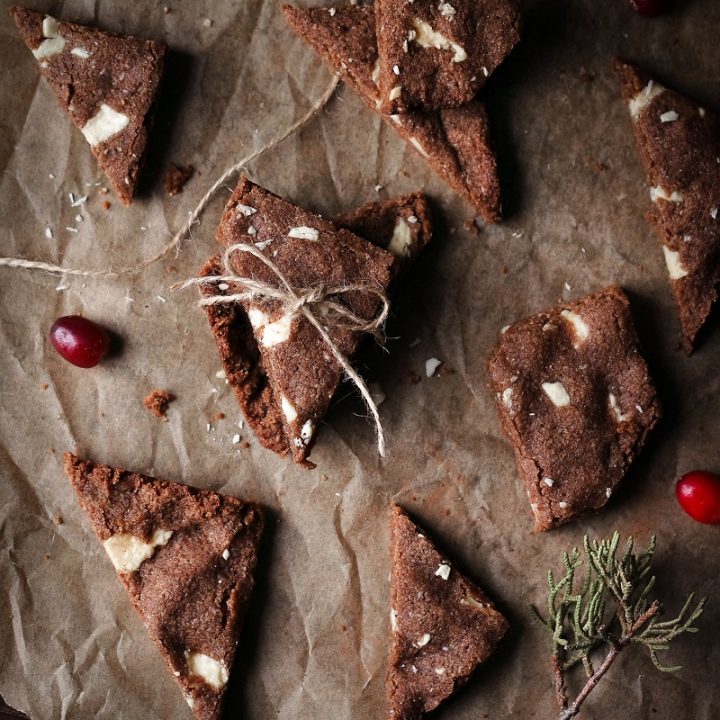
(317, 638)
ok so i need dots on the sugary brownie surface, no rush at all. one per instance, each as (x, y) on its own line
(186, 558)
(311, 252)
(456, 142)
(442, 624)
(576, 401)
(679, 142)
(106, 82)
(436, 55)
(400, 224)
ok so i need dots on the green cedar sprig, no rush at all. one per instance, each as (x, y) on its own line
(611, 608)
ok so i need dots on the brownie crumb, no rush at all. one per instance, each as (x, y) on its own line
(219, 416)
(59, 520)
(44, 386)
(107, 204)
(175, 178)
(157, 402)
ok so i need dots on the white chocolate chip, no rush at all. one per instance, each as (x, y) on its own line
(674, 265)
(644, 98)
(106, 123)
(211, 671)
(422, 641)
(396, 69)
(401, 240)
(659, 193)
(128, 552)
(303, 232)
(431, 366)
(580, 328)
(443, 571)
(288, 409)
(245, 210)
(507, 394)
(557, 393)
(615, 407)
(426, 37)
(669, 116)
(277, 332)
(80, 52)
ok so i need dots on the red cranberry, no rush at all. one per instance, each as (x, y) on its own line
(698, 493)
(649, 8)
(79, 340)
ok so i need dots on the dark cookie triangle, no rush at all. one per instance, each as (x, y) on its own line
(107, 83)
(436, 55)
(442, 624)
(310, 251)
(679, 142)
(401, 225)
(455, 141)
(186, 558)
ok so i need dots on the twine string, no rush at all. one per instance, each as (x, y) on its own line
(307, 302)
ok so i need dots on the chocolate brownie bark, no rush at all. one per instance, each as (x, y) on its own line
(107, 83)
(576, 400)
(456, 142)
(442, 624)
(310, 252)
(679, 142)
(186, 558)
(436, 55)
(383, 224)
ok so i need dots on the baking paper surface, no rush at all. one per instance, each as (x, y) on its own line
(317, 638)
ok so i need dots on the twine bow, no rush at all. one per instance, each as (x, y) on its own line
(308, 302)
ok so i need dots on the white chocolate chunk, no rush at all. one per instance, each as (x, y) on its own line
(579, 326)
(401, 239)
(669, 116)
(80, 52)
(507, 397)
(128, 552)
(447, 10)
(395, 92)
(303, 232)
(443, 571)
(211, 671)
(54, 44)
(277, 332)
(644, 98)
(418, 146)
(620, 416)
(104, 125)
(306, 431)
(257, 317)
(557, 393)
(393, 620)
(674, 265)
(426, 37)
(659, 193)
(422, 641)
(548, 481)
(431, 366)
(50, 27)
(288, 409)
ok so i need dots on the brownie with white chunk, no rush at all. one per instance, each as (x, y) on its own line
(679, 142)
(107, 83)
(400, 225)
(576, 401)
(301, 372)
(454, 141)
(186, 558)
(436, 55)
(443, 626)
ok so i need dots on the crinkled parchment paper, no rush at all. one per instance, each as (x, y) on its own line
(317, 638)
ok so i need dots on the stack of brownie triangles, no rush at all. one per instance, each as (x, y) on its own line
(421, 65)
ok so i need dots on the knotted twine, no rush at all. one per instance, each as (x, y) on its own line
(308, 302)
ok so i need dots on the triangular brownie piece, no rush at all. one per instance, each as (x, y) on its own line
(401, 225)
(456, 142)
(442, 624)
(106, 82)
(436, 55)
(311, 252)
(679, 142)
(186, 558)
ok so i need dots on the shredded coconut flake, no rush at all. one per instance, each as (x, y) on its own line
(669, 116)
